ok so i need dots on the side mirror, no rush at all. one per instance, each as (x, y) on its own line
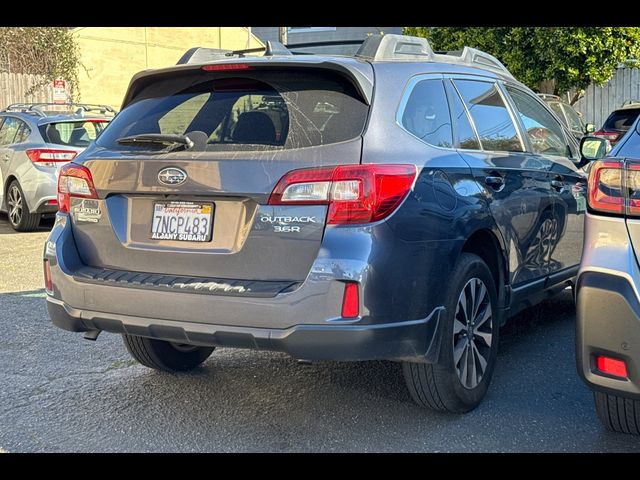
(589, 128)
(594, 148)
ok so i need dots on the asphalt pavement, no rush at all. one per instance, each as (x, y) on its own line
(61, 393)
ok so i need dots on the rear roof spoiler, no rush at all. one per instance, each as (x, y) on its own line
(354, 71)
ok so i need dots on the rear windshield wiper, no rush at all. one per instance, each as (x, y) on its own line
(156, 139)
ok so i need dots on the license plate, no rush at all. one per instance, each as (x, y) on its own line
(182, 221)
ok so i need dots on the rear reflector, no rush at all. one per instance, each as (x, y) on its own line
(52, 202)
(351, 300)
(355, 193)
(611, 366)
(221, 67)
(48, 282)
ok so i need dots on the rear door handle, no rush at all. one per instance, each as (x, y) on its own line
(495, 182)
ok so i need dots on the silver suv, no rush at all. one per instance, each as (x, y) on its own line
(608, 286)
(35, 141)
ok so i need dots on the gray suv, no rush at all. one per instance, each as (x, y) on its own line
(35, 141)
(397, 204)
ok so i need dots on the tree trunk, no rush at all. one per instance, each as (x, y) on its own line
(547, 86)
(576, 96)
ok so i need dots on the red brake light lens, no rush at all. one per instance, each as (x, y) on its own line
(355, 193)
(222, 67)
(74, 181)
(611, 366)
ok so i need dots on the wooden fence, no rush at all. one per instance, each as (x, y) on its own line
(14, 88)
(598, 102)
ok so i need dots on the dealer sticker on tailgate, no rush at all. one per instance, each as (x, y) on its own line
(184, 221)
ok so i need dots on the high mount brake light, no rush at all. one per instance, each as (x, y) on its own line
(354, 193)
(225, 67)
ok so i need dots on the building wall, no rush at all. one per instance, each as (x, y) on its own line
(340, 33)
(112, 55)
(598, 102)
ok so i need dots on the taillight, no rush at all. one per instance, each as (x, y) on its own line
(605, 187)
(74, 181)
(611, 136)
(49, 157)
(354, 193)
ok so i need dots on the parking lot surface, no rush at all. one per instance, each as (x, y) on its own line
(61, 393)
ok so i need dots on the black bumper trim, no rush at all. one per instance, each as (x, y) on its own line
(415, 340)
(172, 283)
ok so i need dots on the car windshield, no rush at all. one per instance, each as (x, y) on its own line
(73, 133)
(621, 119)
(572, 117)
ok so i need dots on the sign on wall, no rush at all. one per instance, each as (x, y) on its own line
(59, 91)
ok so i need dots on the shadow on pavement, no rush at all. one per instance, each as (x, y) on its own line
(5, 227)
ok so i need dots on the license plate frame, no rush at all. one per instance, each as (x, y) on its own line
(190, 211)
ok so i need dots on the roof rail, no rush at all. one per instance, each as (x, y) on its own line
(38, 108)
(395, 47)
(630, 102)
(473, 57)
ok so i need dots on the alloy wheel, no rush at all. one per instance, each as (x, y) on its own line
(15, 204)
(472, 333)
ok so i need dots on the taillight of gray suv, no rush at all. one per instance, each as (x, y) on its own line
(608, 313)
(398, 204)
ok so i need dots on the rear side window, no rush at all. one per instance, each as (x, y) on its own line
(490, 116)
(621, 119)
(544, 131)
(9, 130)
(261, 110)
(75, 134)
(426, 114)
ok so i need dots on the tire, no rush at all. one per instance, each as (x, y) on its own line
(165, 356)
(446, 386)
(618, 414)
(20, 218)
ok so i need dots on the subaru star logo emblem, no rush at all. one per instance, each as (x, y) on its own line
(172, 176)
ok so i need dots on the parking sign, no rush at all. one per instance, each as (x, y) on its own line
(59, 91)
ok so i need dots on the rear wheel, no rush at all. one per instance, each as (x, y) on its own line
(19, 216)
(459, 381)
(165, 356)
(618, 414)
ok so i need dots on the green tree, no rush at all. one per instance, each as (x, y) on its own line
(547, 59)
(47, 51)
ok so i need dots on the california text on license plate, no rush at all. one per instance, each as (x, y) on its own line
(185, 221)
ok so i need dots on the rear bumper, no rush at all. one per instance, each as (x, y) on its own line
(608, 305)
(608, 323)
(412, 340)
(305, 322)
